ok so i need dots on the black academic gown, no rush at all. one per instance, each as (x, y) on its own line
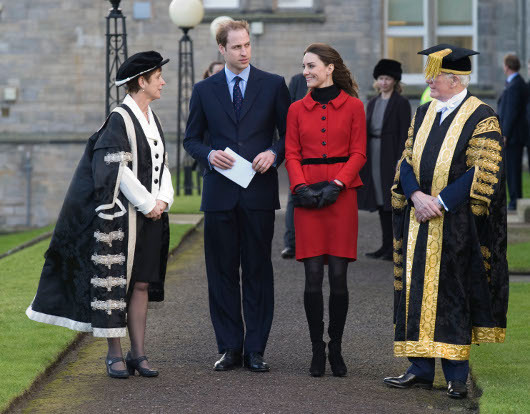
(451, 273)
(87, 275)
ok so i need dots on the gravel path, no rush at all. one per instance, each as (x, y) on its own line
(181, 344)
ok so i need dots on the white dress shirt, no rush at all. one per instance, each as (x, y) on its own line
(231, 80)
(450, 105)
(143, 200)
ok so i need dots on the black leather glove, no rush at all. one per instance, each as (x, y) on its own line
(306, 197)
(329, 194)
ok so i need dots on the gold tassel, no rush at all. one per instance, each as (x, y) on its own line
(434, 63)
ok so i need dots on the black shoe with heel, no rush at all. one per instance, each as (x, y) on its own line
(115, 373)
(133, 364)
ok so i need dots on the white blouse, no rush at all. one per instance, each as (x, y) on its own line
(143, 200)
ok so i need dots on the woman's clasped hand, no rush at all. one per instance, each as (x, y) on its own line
(158, 209)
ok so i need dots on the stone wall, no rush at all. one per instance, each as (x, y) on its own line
(53, 51)
(52, 165)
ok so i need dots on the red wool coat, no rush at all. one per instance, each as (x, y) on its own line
(337, 129)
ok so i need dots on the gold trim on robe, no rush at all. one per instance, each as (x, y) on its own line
(426, 346)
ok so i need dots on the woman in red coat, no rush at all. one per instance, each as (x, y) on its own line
(326, 144)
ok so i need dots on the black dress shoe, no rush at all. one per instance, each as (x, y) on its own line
(254, 362)
(115, 373)
(377, 254)
(287, 253)
(230, 360)
(408, 380)
(456, 389)
(388, 255)
(133, 364)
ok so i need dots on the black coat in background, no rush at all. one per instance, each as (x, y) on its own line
(396, 123)
(512, 112)
(297, 87)
(514, 127)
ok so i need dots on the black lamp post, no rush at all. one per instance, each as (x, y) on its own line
(116, 53)
(186, 14)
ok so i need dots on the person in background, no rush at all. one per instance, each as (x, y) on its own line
(512, 115)
(387, 123)
(528, 118)
(449, 223)
(213, 68)
(325, 146)
(297, 89)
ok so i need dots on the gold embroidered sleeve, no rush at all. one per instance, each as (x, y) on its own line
(484, 152)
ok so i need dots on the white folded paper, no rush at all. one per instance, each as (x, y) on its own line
(241, 173)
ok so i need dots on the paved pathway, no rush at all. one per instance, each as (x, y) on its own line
(181, 344)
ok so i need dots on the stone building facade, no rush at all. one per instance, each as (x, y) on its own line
(53, 58)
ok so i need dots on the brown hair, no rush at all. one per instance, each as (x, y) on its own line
(133, 85)
(208, 71)
(512, 62)
(222, 32)
(341, 75)
(398, 87)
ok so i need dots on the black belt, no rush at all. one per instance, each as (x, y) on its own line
(331, 160)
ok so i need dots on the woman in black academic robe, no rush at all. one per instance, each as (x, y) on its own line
(108, 253)
(387, 120)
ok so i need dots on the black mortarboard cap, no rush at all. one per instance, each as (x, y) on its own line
(447, 58)
(138, 64)
(388, 67)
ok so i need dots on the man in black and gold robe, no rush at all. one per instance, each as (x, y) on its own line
(449, 218)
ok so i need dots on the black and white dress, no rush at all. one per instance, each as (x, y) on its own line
(102, 243)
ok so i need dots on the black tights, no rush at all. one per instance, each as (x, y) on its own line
(338, 299)
(314, 274)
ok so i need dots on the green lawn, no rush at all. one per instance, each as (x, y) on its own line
(12, 240)
(185, 204)
(519, 257)
(176, 232)
(502, 370)
(526, 184)
(28, 347)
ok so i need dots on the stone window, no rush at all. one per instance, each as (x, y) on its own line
(295, 4)
(413, 25)
(221, 4)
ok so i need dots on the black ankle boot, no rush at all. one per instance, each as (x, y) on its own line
(314, 310)
(318, 362)
(338, 310)
(338, 367)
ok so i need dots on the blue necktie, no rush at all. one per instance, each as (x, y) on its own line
(237, 98)
(442, 111)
